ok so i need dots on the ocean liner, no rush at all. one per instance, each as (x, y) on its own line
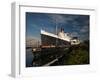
(61, 39)
(53, 47)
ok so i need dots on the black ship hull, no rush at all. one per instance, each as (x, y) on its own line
(49, 41)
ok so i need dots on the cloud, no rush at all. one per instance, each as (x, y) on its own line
(32, 41)
(36, 26)
(75, 25)
(84, 29)
(59, 18)
(84, 37)
(31, 37)
(74, 34)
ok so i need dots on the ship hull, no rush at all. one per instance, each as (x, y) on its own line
(49, 41)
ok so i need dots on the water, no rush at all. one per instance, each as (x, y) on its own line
(29, 58)
(35, 60)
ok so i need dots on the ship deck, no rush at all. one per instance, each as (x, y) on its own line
(53, 35)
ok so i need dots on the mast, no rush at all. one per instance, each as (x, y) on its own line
(56, 31)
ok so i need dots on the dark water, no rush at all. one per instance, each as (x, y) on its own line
(34, 60)
(29, 57)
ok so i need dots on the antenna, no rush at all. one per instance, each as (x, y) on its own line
(56, 31)
(56, 27)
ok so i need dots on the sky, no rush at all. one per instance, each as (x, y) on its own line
(75, 25)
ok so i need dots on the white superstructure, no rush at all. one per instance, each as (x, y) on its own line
(75, 42)
(63, 36)
(60, 35)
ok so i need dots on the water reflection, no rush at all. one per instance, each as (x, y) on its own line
(44, 56)
(29, 57)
